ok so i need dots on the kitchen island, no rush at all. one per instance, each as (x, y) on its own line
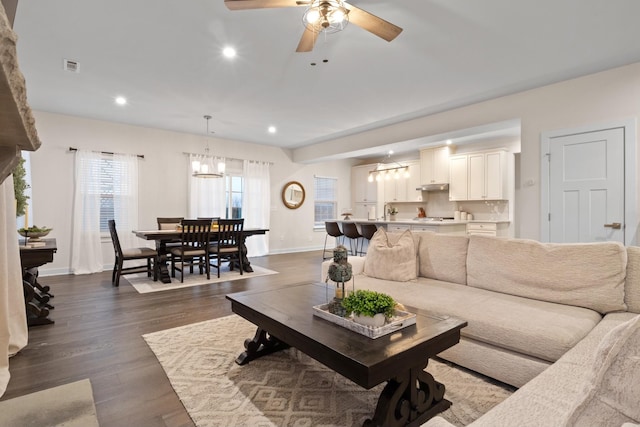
(437, 225)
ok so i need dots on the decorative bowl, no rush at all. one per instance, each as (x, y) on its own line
(34, 235)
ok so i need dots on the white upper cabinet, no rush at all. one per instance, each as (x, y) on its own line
(495, 175)
(361, 189)
(458, 183)
(413, 182)
(478, 176)
(395, 190)
(434, 165)
(403, 189)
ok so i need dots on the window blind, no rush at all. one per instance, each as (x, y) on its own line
(326, 200)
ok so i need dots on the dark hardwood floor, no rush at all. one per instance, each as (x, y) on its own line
(98, 335)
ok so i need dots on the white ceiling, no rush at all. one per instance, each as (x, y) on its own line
(165, 57)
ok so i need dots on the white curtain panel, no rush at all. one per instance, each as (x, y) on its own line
(125, 199)
(256, 204)
(13, 318)
(206, 195)
(86, 250)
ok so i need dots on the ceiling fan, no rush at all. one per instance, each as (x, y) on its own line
(324, 15)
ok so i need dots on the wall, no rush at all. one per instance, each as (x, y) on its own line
(163, 179)
(593, 99)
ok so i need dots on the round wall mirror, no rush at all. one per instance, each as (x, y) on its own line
(293, 195)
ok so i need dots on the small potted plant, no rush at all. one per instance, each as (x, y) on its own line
(392, 211)
(34, 232)
(369, 307)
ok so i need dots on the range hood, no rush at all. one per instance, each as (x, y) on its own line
(433, 187)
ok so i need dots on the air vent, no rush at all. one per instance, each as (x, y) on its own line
(71, 66)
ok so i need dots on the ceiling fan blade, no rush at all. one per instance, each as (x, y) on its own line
(259, 4)
(307, 41)
(372, 23)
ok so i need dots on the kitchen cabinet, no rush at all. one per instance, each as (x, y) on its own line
(458, 177)
(414, 182)
(478, 176)
(487, 229)
(395, 190)
(434, 165)
(404, 189)
(394, 228)
(363, 191)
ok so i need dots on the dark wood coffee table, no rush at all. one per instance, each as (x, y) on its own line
(285, 318)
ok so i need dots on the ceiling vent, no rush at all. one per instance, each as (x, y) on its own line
(71, 66)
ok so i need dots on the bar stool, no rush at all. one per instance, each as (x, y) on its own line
(367, 231)
(333, 230)
(350, 230)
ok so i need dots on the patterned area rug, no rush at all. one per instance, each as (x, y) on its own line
(286, 388)
(69, 405)
(144, 284)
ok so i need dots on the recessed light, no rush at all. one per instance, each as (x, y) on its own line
(121, 100)
(229, 52)
(272, 129)
(449, 142)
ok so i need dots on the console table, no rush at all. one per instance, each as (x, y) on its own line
(36, 296)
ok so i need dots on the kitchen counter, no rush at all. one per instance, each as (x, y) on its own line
(446, 222)
(447, 226)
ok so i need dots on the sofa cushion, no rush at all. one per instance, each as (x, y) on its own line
(632, 282)
(391, 259)
(547, 399)
(530, 327)
(443, 257)
(587, 275)
(610, 396)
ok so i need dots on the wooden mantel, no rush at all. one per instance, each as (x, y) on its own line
(17, 125)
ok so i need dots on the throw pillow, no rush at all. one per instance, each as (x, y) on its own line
(391, 259)
(443, 257)
(611, 396)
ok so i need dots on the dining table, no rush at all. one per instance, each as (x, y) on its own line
(162, 237)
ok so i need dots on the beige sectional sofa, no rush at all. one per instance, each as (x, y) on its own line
(529, 306)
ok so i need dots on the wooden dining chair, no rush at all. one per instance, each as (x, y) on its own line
(170, 223)
(131, 254)
(194, 248)
(228, 244)
(165, 223)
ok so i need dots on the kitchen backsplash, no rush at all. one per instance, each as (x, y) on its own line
(438, 205)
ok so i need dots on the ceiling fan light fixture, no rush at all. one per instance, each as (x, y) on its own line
(329, 16)
(312, 16)
(337, 16)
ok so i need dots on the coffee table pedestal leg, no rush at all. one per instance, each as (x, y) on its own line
(260, 345)
(409, 399)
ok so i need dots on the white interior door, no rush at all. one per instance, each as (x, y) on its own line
(587, 186)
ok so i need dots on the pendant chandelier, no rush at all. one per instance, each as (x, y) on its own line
(329, 16)
(389, 171)
(206, 167)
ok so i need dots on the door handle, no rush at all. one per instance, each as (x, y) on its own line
(614, 225)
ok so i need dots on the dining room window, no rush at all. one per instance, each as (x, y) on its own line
(106, 187)
(108, 172)
(234, 189)
(325, 201)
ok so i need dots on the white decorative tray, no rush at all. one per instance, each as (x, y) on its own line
(400, 320)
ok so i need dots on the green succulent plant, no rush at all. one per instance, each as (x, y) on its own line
(369, 303)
